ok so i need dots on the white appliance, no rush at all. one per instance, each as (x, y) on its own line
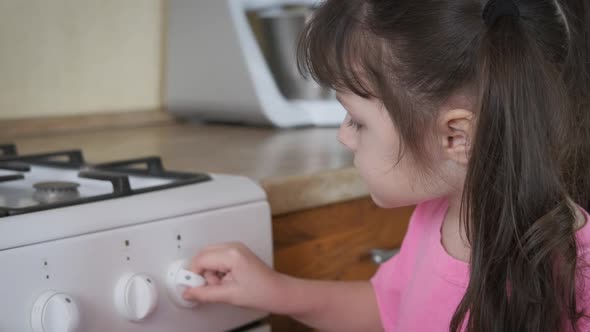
(104, 247)
(216, 70)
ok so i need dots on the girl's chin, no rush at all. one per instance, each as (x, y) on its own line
(389, 204)
(380, 202)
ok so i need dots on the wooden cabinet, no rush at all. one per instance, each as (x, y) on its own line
(333, 243)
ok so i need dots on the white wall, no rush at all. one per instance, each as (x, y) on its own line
(61, 57)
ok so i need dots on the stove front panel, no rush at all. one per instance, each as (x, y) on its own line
(87, 268)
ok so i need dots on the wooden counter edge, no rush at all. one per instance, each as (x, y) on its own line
(302, 192)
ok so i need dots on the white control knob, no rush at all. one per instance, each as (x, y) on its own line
(179, 279)
(55, 312)
(136, 297)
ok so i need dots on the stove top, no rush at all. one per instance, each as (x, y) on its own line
(35, 182)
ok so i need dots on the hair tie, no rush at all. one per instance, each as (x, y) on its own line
(495, 9)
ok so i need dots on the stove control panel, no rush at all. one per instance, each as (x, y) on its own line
(128, 278)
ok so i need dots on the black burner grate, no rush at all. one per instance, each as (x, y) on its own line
(117, 173)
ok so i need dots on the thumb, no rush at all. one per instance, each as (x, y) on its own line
(210, 293)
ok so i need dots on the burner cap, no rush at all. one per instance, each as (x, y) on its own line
(55, 191)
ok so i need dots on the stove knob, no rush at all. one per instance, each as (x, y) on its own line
(136, 297)
(178, 279)
(55, 312)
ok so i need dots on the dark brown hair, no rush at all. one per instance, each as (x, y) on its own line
(530, 155)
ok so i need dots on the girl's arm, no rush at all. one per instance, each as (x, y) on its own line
(236, 276)
(333, 305)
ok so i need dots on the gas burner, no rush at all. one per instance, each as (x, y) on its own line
(55, 191)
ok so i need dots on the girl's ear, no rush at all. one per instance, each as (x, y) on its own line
(456, 128)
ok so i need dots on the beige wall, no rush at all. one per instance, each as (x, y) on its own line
(61, 57)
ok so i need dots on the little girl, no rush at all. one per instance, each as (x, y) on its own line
(476, 112)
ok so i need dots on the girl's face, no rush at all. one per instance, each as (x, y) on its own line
(370, 134)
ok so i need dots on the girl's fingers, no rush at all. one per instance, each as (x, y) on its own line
(218, 260)
(209, 294)
(212, 277)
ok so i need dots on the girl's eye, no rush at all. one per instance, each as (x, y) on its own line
(355, 125)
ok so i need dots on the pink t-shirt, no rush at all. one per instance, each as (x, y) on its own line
(420, 288)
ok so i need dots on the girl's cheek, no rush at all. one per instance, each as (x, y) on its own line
(347, 137)
(342, 130)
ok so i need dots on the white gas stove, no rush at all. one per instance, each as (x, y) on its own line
(103, 247)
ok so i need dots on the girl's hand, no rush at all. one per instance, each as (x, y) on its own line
(235, 275)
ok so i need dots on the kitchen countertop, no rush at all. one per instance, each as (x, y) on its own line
(298, 168)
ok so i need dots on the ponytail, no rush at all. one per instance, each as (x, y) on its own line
(577, 76)
(517, 210)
